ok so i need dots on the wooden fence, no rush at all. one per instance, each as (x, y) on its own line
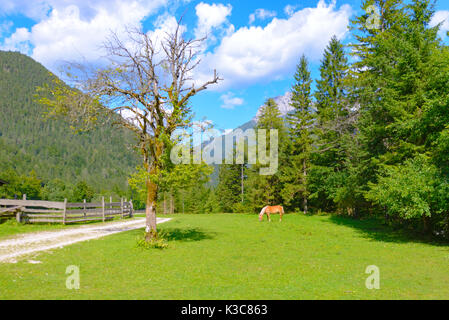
(33, 211)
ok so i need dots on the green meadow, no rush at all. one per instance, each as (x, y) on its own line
(236, 257)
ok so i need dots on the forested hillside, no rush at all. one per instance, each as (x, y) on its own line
(29, 141)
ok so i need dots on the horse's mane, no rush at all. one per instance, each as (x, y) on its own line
(263, 210)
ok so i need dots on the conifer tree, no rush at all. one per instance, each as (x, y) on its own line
(394, 83)
(266, 190)
(229, 187)
(375, 60)
(400, 86)
(271, 118)
(332, 106)
(334, 130)
(330, 95)
(299, 147)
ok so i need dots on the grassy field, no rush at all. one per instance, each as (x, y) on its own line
(236, 257)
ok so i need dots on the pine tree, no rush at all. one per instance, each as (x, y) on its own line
(266, 190)
(400, 81)
(271, 118)
(374, 52)
(335, 130)
(296, 168)
(333, 109)
(229, 187)
(330, 95)
(400, 71)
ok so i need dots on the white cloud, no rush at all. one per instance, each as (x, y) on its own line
(230, 102)
(18, 41)
(36, 9)
(74, 29)
(210, 17)
(41, 9)
(5, 27)
(164, 24)
(199, 126)
(443, 18)
(261, 14)
(289, 10)
(257, 54)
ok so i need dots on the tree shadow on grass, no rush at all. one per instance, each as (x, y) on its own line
(4, 220)
(375, 230)
(187, 235)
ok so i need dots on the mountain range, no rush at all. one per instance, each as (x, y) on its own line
(283, 103)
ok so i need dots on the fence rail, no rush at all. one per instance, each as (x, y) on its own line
(34, 211)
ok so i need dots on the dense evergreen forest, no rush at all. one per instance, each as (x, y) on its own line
(46, 153)
(372, 140)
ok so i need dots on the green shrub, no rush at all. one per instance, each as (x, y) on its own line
(160, 242)
(412, 191)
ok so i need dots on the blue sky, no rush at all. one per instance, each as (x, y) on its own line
(254, 45)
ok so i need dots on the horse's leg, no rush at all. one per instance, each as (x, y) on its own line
(269, 217)
(281, 214)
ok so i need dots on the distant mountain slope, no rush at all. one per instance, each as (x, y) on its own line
(283, 103)
(29, 141)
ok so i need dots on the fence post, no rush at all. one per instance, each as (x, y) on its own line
(18, 216)
(131, 209)
(19, 213)
(110, 201)
(85, 213)
(102, 207)
(121, 207)
(64, 213)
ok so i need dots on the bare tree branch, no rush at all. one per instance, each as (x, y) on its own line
(149, 79)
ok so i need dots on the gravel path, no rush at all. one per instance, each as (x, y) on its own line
(22, 245)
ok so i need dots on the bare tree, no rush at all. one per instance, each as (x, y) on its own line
(149, 81)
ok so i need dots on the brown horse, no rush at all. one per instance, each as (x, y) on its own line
(271, 210)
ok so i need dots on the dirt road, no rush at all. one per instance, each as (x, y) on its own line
(12, 250)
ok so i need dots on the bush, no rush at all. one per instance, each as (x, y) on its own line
(240, 208)
(412, 191)
(159, 242)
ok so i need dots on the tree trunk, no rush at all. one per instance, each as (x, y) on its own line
(356, 212)
(306, 209)
(151, 226)
(426, 223)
